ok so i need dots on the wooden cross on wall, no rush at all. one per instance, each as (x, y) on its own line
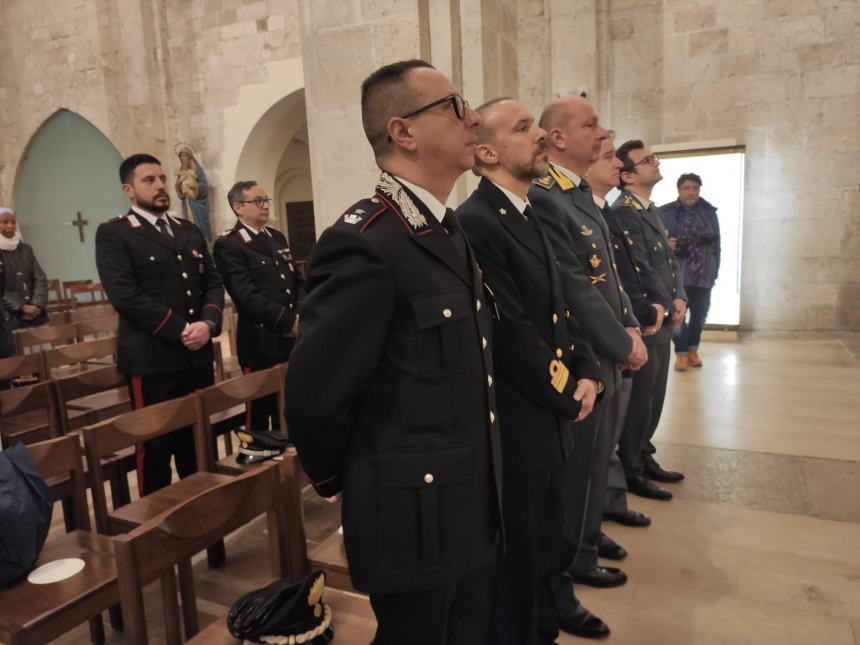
(80, 222)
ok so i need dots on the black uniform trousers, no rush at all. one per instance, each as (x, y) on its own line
(456, 614)
(524, 610)
(590, 471)
(643, 412)
(153, 456)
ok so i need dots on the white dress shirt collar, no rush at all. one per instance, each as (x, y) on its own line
(599, 201)
(152, 219)
(516, 200)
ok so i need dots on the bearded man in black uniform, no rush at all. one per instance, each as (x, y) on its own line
(546, 374)
(259, 273)
(390, 394)
(159, 276)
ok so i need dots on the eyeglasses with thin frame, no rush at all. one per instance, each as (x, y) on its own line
(457, 102)
(259, 202)
(650, 159)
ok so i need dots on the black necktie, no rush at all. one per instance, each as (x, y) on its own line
(450, 223)
(162, 226)
(584, 187)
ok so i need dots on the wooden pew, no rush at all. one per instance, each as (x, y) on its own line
(35, 614)
(153, 549)
(29, 414)
(97, 327)
(89, 313)
(32, 339)
(71, 359)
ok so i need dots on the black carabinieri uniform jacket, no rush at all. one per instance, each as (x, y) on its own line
(539, 351)
(261, 278)
(389, 395)
(158, 285)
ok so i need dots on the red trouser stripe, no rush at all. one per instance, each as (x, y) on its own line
(137, 403)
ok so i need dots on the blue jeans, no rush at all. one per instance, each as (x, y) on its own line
(687, 334)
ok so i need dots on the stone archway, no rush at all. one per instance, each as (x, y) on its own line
(69, 166)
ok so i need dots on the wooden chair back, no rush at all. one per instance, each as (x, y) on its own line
(97, 327)
(29, 413)
(57, 318)
(53, 335)
(91, 312)
(20, 365)
(60, 462)
(53, 286)
(152, 550)
(67, 287)
(131, 429)
(92, 289)
(77, 354)
(94, 381)
(221, 397)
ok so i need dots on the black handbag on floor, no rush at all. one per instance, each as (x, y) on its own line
(25, 514)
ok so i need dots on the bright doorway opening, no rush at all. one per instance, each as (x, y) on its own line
(722, 173)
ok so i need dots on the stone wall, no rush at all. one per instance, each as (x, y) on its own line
(783, 78)
(147, 74)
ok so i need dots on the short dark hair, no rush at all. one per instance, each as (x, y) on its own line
(384, 95)
(237, 192)
(127, 167)
(689, 176)
(483, 133)
(623, 154)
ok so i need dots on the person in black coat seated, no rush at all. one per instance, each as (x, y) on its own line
(547, 376)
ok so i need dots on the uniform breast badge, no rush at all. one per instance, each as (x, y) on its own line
(598, 278)
(352, 218)
(558, 375)
(585, 231)
(594, 261)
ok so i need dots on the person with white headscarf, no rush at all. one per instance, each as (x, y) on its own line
(25, 293)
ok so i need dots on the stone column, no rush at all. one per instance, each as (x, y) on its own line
(342, 42)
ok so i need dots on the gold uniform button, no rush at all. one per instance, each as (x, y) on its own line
(484, 343)
(489, 380)
(283, 277)
(555, 318)
(593, 245)
(191, 311)
(184, 275)
(620, 288)
(478, 305)
(637, 270)
(567, 313)
(615, 266)
(428, 478)
(188, 292)
(179, 257)
(572, 346)
(492, 417)
(447, 313)
(152, 258)
(625, 311)
(559, 353)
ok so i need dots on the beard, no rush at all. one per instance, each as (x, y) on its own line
(154, 207)
(535, 169)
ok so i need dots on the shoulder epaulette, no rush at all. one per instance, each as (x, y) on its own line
(178, 220)
(631, 202)
(228, 232)
(114, 220)
(546, 181)
(363, 213)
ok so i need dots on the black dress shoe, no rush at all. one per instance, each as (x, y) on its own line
(582, 623)
(628, 518)
(601, 577)
(610, 549)
(655, 472)
(640, 486)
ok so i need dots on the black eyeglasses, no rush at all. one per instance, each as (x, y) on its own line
(457, 102)
(259, 202)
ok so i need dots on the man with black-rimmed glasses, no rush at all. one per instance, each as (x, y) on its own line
(260, 275)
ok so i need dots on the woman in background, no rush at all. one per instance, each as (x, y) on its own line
(25, 292)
